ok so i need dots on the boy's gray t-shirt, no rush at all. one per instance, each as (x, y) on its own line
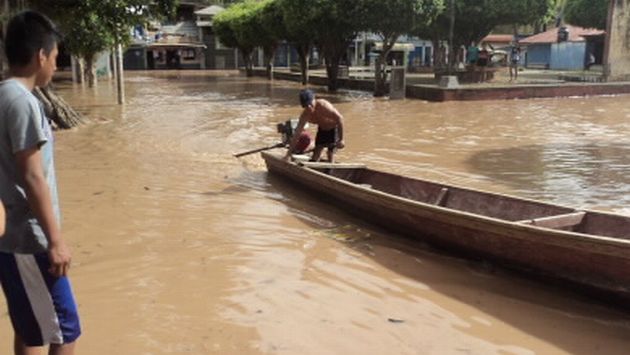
(23, 125)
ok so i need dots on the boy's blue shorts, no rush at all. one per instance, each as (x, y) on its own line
(41, 306)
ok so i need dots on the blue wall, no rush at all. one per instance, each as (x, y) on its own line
(558, 56)
(568, 55)
(538, 54)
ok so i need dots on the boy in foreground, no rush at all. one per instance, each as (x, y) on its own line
(34, 258)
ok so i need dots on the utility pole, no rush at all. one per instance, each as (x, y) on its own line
(451, 29)
(120, 81)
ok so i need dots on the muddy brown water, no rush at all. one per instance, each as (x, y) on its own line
(179, 248)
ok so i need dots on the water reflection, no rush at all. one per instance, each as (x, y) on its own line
(581, 175)
(170, 232)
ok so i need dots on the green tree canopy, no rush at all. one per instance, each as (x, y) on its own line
(475, 19)
(301, 23)
(239, 27)
(587, 13)
(270, 18)
(338, 22)
(392, 18)
(329, 24)
(92, 26)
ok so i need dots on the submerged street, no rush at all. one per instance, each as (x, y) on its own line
(181, 248)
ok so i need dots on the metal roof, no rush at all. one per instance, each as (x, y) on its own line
(576, 34)
(209, 11)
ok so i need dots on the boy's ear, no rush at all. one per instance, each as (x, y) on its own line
(41, 57)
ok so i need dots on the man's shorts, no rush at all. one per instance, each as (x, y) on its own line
(41, 306)
(326, 138)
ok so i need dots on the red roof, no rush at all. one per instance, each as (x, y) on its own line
(576, 34)
(498, 38)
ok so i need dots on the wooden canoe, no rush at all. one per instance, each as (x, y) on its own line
(586, 248)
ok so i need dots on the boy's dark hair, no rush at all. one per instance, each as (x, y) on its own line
(27, 33)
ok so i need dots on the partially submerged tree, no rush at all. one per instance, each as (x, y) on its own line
(238, 27)
(272, 22)
(302, 29)
(85, 34)
(392, 18)
(475, 19)
(93, 26)
(339, 21)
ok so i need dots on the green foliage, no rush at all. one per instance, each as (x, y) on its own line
(270, 18)
(587, 13)
(475, 19)
(85, 34)
(392, 18)
(334, 23)
(300, 21)
(238, 26)
(108, 20)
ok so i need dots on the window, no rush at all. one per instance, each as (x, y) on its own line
(189, 54)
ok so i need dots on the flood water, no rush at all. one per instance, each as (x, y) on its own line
(181, 248)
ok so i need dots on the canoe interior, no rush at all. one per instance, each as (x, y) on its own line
(490, 205)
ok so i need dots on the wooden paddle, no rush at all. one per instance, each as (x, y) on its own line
(278, 145)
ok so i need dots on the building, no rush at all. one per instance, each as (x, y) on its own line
(217, 56)
(564, 48)
(411, 52)
(174, 45)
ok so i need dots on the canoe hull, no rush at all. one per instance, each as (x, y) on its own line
(598, 264)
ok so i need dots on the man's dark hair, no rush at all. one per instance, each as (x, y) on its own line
(27, 33)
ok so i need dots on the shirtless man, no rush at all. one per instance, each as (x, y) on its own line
(329, 126)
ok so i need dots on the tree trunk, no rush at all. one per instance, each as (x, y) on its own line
(380, 76)
(90, 73)
(332, 72)
(269, 53)
(63, 116)
(81, 70)
(304, 52)
(247, 59)
(380, 73)
(333, 52)
(437, 63)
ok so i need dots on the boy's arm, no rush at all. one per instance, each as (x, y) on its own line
(29, 164)
(296, 134)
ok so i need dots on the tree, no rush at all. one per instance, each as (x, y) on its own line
(587, 13)
(238, 27)
(85, 34)
(475, 19)
(392, 18)
(339, 21)
(92, 26)
(9, 8)
(302, 24)
(271, 20)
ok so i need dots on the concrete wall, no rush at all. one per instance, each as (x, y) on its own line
(568, 56)
(618, 67)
